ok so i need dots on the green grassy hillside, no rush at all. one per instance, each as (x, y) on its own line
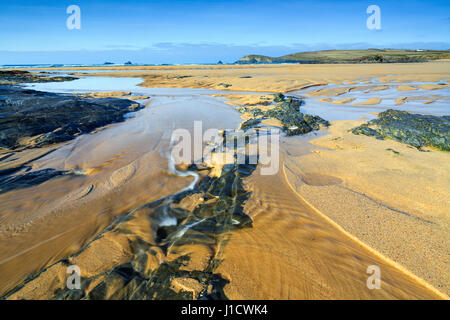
(351, 56)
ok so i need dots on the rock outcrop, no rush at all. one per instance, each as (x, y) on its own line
(18, 76)
(31, 118)
(254, 58)
(294, 122)
(416, 130)
(180, 262)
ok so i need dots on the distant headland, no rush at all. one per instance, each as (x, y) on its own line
(351, 56)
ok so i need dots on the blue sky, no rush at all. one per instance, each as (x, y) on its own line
(195, 31)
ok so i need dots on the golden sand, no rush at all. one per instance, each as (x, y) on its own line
(325, 100)
(368, 102)
(114, 94)
(352, 179)
(295, 252)
(247, 99)
(426, 99)
(434, 86)
(120, 168)
(291, 252)
(344, 101)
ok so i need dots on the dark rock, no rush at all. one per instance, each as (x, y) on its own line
(18, 76)
(197, 167)
(226, 85)
(253, 112)
(209, 224)
(288, 112)
(50, 118)
(278, 97)
(400, 58)
(392, 150)
(294, 122)
(27, 179)
(367, 131)
(376, 58)
(414, 129)
(250, 123)
(182, 77)
(256, 112)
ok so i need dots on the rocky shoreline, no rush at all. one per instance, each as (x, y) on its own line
(416, 130)
(161, 262)
(31, 118)
(205, 218)
(287, 111)
(350, 56)
(18, 76)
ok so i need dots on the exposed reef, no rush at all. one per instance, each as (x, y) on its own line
(27, 179)
(33, 122)
(416, 130)
(287, 111)
(294, 122)
(31, 118)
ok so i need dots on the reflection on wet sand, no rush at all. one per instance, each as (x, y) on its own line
(117, 168)
(294, 252)
(229, 239)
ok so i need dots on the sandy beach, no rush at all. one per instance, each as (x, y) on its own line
(274, 78)
(339, 203)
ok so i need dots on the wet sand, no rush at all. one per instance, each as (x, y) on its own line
(295, 252)
(372, 87)
(332, 215)
(290, 251)
(389, 195)
(276, 78)
(120, 168)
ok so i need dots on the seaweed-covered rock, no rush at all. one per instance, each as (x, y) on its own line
(208, 224)
(414, 129)
(255, 112)
(242, 109)
(365, 130)
(18, 76)
(294, 122)
(278, 97)
(34, 118)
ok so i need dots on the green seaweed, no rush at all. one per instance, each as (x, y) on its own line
(416, 130)
(210, 225)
